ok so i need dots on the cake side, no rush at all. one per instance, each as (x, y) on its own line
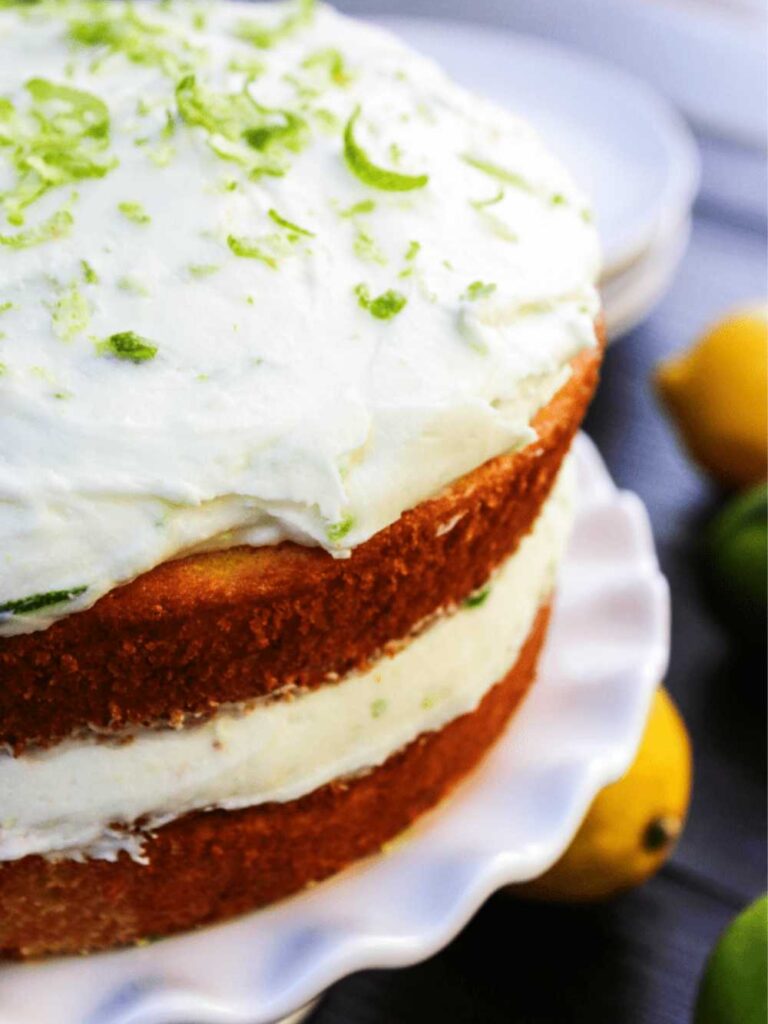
(207, 867)
(235, 625)
(284, 747)
(287, 791)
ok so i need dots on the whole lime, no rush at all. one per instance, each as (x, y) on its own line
(737, 562)
(735, 983)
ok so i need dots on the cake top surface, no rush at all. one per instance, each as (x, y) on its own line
(265, 274)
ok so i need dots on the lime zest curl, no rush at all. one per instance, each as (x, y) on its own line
(370, 173)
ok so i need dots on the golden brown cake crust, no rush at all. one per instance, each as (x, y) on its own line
(206, 867)
(234, 625)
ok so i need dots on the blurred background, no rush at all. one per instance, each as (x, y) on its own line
(659, 108)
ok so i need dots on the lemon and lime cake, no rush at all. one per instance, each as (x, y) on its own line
(295, 335)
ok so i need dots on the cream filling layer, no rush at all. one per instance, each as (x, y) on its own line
(69, 799)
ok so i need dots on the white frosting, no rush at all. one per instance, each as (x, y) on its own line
(68, 799)
(276, 406)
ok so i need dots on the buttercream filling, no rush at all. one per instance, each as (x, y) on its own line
(84, 798)
(265, 273)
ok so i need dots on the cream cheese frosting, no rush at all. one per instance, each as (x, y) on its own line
(283, 749)
(265, 274)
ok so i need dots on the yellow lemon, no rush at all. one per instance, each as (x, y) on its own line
(717, 392)
(632, 825)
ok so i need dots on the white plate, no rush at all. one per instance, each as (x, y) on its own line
(629, 297)
(577, 731)
(707, 56)
(625, 145)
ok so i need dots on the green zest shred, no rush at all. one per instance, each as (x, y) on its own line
(62, 138)
(265, 37)
(119, 28)
(200, 270)
(290, 227)
(478, 598)
(132, 285)
(58, 225)
(25, 605)
(497, 172)
(89, 274)
(478, 290)
(338, 531)
(368, 172)
(240, 129)
(333, 63)
(366, 248)
(386, 306)
(71, 314)
(128, 346)
(271, 248)
(413, 250)
(364, 206)
(326, 120)
(378, 707)
(135, 212)
(481, 204)
(246, 66)
(251, 249)
(288, 131)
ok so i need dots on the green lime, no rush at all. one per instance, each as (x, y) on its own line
(735, 983)
(737, 566)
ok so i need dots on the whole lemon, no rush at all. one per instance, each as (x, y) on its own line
(632, 825)
(717, 393)
(733, 989)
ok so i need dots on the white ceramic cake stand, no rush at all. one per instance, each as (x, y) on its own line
(577, 731)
